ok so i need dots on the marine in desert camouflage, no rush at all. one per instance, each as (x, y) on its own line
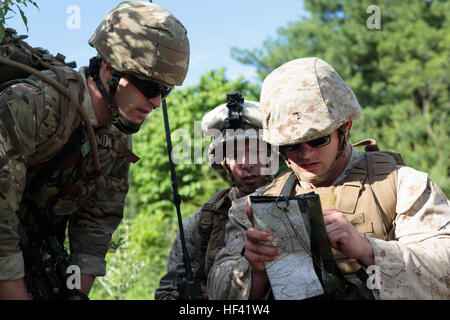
(377, 211)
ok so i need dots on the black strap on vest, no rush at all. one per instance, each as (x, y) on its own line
(290, 182)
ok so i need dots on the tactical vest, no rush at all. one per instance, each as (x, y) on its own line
(58, 181)
(367, 197)
(213, 218)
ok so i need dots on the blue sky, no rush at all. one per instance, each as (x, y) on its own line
(213, 28)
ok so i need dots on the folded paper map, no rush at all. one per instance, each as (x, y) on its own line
(291, 275)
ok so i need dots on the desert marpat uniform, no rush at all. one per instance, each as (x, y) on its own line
(305, 99)
(415, 266)
(205, 236)
(31, 112)
(205, 229)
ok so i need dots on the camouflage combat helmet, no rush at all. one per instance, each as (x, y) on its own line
(144, 39)
(305, 99)
(216, 120)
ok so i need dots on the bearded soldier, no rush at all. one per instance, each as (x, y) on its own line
(380, 213)
(47, 182)
(241, 153)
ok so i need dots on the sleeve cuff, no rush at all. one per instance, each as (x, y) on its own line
(12, 267)
(388, 256)
(89, 265)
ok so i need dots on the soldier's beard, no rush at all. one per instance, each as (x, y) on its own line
(246, 189)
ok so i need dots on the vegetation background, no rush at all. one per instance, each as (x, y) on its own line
(400, 74)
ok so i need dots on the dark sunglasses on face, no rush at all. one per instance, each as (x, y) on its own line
(149, 88)
(316, 143)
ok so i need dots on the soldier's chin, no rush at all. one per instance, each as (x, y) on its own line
(247, 189)
(316, 179)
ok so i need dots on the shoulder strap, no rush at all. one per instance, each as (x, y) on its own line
(383, 179)
(282, 185)
(382, 175)
(69, 120)
(73, 103)
(206, 216)
(289, 184)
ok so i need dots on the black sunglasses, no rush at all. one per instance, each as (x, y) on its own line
(316, 143)
(149, 88)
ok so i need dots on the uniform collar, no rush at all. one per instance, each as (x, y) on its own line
(229, 197)
(355, 157)
(232, 194)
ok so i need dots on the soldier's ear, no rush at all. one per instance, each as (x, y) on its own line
(106, 70)
(349, 125)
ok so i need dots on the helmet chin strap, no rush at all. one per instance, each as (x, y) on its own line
(118, 119)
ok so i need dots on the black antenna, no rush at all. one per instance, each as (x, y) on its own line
(176, 196)
(188, 287)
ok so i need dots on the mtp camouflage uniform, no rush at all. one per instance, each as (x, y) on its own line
(31, 112)
(138, 39)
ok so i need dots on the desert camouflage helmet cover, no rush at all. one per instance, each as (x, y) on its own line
(214, 122)
(305, 99)
(145, 40)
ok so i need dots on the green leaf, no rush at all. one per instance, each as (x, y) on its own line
(24, 18)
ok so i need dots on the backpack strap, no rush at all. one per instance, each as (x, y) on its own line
(369, 145)
(69, 120)
(383, 180)
(206, 216)
(64, 91)
(34, 185)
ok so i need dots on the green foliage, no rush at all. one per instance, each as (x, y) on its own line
(123, 267)
(137, 258)
(400, 73)
(6, 6)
